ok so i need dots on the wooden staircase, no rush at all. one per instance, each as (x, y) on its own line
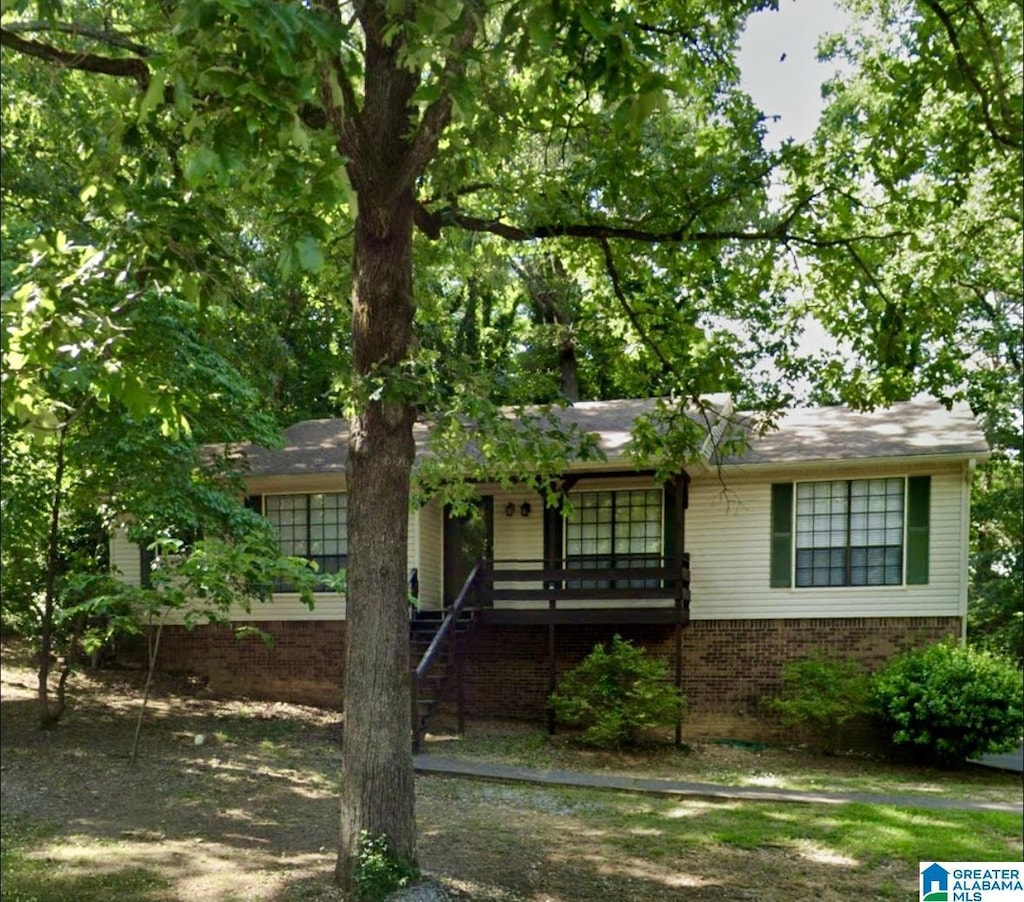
(437, 641)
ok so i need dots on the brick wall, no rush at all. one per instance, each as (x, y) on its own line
(729, 666)
(304, 664)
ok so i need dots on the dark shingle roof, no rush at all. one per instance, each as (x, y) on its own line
(918, 428)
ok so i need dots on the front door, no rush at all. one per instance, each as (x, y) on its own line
(466, 540)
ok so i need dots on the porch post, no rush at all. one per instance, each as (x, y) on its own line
(460, 691)
(679, 668)
(680, 499)
(553, 539)
(552, 669)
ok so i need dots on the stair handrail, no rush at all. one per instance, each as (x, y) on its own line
(446, 625)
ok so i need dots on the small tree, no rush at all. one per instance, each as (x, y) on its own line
(616, 694)
(821, 694)
(204, 582)
(947, 703)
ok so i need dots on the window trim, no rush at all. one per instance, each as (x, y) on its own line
(846, 533)
(343, 558)
(614, 555)
(916, 544)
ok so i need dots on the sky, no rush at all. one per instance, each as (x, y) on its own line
(781, 73)
(779, 65)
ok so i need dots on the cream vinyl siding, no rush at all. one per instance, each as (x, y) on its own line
(287, 606)
(518, 539)
(125, 558)
(728, 537)
(430, 540)
(282, 607)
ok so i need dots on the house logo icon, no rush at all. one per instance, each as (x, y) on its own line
(934, 884)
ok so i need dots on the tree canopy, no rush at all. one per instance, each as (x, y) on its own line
(415, 209)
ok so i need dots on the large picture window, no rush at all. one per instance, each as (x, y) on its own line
(612, 530)
(850, 532)
(314, 527)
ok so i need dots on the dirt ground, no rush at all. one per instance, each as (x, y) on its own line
(251, 812)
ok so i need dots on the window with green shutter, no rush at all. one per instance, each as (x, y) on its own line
(851, 532)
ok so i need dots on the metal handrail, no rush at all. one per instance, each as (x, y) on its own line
(446, 625)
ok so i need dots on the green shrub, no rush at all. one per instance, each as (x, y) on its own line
(616, 694)
(380, 871)
(946, 703)
(820, 695)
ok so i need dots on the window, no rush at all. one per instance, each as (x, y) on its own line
(850, 533)
(860, 532)
(611, 530)
(314, 527)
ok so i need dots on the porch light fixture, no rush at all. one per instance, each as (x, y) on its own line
(510, 509)
(524, 509)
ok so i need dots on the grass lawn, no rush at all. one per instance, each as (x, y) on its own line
(492, 841)
(251, 813)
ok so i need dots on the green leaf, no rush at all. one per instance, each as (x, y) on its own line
(200, 163)
(309, 254)
(152, 98)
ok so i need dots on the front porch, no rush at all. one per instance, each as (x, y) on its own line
(598, 591)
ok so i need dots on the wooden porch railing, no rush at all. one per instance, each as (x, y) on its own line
(531, 580)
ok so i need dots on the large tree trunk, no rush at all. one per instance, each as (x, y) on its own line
(386, 152)
(377, 795)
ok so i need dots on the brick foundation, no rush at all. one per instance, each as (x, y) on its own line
(729, 666)
(305, 663)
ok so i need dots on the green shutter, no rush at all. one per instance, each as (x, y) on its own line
(782, 535)
(146, 558)
(918, 516)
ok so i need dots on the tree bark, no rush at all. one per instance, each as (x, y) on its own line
(49, 716)
(377, 795)
(386, 152)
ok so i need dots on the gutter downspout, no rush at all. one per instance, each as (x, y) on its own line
(965, 545)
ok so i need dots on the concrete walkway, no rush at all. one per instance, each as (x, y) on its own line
(1007, 761)
(483, 770)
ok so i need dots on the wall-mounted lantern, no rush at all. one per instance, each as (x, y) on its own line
(510, 509)
(524, 509)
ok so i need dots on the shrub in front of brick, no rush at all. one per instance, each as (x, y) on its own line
(820, 695)
(947, 703)
(617, 694)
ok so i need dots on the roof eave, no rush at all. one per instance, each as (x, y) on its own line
(831, 463)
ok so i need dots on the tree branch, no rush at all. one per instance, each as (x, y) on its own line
(1012, 141)
(122, 67)
(341, 119)
(432, 223)
(620, 296)
(437, 116)
(111, 38)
